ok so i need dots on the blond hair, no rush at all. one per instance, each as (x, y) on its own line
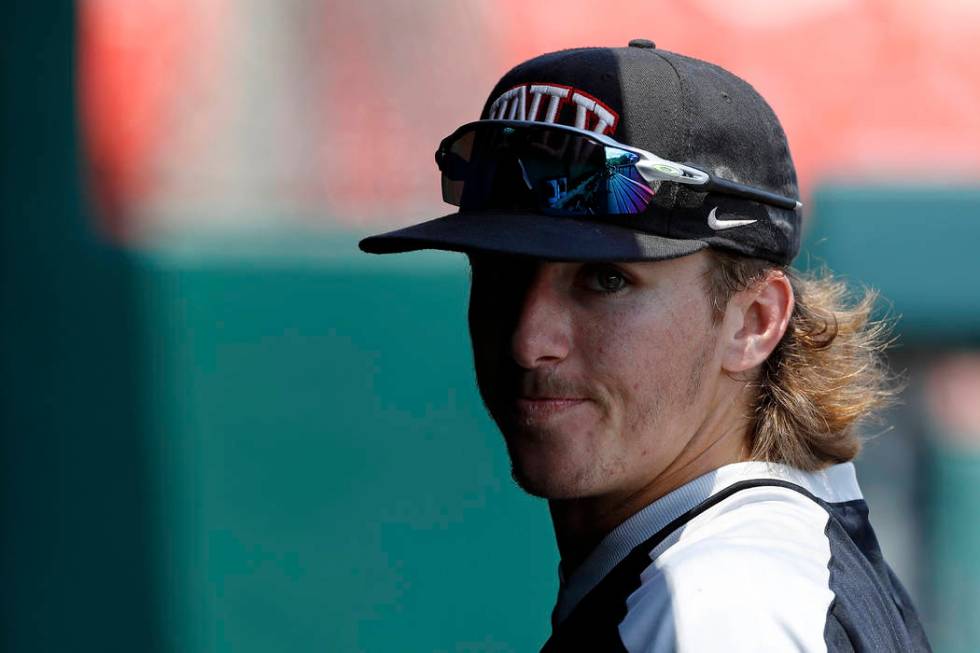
(826, 375)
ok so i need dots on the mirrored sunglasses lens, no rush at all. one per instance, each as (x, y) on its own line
(541, 169)
(627, 192)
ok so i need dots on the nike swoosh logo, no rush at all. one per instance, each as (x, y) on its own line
(718, 225)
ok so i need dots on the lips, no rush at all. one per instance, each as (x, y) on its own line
(533, 408)
(537, 397)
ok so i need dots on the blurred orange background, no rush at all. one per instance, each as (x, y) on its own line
(329, 111)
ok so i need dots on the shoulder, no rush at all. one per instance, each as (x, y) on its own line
(748, 574)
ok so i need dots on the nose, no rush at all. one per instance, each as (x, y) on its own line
(542, 330)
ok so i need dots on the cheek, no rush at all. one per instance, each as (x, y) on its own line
(627, 353)
(486, 325)
(654, 359)
(483, 346)
(492, 316)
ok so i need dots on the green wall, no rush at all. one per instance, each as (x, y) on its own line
(916, 244)
(327, 475)
(76, 524)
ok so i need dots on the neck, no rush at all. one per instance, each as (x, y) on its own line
(581, 523)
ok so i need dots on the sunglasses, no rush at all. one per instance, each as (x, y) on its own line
(565, 171)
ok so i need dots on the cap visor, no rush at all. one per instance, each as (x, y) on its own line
(534, 235)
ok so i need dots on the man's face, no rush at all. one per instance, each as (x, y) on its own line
(597, 375)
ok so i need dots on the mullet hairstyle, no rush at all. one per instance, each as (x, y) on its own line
(826, 375)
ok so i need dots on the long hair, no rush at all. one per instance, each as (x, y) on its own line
(826, 375)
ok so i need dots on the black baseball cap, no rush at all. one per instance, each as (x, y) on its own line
(681, 110)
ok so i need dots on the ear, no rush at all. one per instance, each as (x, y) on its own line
(755, 321)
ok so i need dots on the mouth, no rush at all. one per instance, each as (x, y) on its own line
(531, 409)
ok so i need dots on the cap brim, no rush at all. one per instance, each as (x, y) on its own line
(533, 235)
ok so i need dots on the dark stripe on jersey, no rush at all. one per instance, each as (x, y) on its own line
(859, 618)
(871, 610)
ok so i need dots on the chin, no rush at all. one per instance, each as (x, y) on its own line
(535, 487)
(551, 464)
(551, 483)
(543, 489)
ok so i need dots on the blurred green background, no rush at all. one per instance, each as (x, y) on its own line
(267, 441)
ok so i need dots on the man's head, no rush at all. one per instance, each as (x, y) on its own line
(603, 196)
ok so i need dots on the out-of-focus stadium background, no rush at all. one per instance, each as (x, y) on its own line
(225, 429)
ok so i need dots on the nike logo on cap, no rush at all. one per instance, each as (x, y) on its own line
(718, 225)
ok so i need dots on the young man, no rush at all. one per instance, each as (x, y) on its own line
(682, 398)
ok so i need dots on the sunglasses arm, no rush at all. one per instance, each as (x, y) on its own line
(751, 193)
(653, 168)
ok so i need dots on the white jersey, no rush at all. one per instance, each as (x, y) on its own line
(750, 557)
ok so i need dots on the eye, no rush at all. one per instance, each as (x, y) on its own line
(497, 274)
(606, 279)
